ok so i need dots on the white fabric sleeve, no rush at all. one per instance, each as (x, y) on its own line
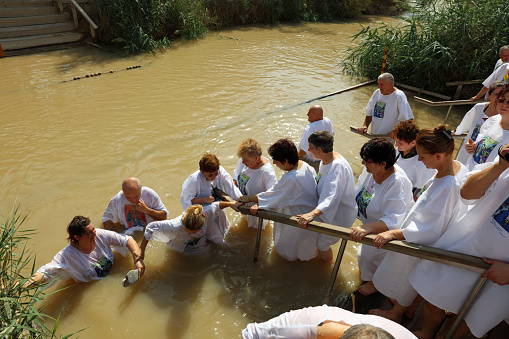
(394, 206)
(498, 73)
(237, 169)
(269, 180)
(331, 196)
(111, 212)
(304, 145)
(114, 238)
(404, 110)
(371, 105)
(156, 202)
(55, 269)
(162, 231)
(466, 122)
(276, 196)
(190, 189)
(227, 184)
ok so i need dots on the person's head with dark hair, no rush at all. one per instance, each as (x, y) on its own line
(436, 140)
(323, 140)
(502, 97)
(366, 331)
(77, 228)
(209, 166)
(405, 133)
(379, 151)
(284, 151)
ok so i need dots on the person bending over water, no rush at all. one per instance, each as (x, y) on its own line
(253, 174)
(438, 206)
(88, 256)
(383, 196)
(294, 194)
(335, 185)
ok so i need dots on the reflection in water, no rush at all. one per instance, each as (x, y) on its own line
(68, 146)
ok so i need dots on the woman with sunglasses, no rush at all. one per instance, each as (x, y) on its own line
(383, 196)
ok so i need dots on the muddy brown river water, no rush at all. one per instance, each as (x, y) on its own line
(67, 146)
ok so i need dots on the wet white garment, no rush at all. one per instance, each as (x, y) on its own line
(483, 232)
(197, 186)
(416, 171)
(435, 210)
(488, 142)
(301, 324)
(471, 124)
(321, 125)
(70, 263)
(499, 74)
(388, 202)
(336, 193)
(120, 210)
(387, 111)
(295, 193)
(254, 181)
(173, 233)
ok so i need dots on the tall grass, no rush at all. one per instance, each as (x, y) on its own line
(149, 25)
(443, 41)
(21, 316)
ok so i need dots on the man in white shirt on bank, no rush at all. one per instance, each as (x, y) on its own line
(317, 122)
(387, 107)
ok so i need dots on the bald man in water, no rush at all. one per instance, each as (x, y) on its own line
(133, 207)
(317, 122)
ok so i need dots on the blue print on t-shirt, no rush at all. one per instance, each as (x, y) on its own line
(242, 180)
(379, 110)
(363, 199)
(484, 148)
(475, 132)
(102, 266)
(501, 215)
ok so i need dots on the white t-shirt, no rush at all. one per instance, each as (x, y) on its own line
(122, 211)
(438, 207)
(415, 170)
(336, 192)
(388, 202)
(499, 74)
(173, 233)
(498, 64)
(387, 111)
(488, 143)
(321, 125)
(483, 232)
(471, 123)
(70, 263)
(253, 182)
(301, 324)
(294, 194)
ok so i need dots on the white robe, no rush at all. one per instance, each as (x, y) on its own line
(416, 171)
(388, 202)
(197, 186)
(387, 111)
(253, 182)
(483, 232)
(438, 207)
(499, 74)
(321, 125)
(301, 324)
(471, 123)
(294, 194)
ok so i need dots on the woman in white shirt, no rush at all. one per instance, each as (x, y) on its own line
(254, 173)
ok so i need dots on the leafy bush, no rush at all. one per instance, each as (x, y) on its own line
(443, 41)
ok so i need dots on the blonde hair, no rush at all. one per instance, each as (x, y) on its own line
(250, 147)
(194, 218)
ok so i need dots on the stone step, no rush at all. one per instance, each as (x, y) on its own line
(12, 32)
(39, 40)
(34, 20)
(27, 11)
(25, 3)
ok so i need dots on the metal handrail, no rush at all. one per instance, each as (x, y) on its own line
(460, 260)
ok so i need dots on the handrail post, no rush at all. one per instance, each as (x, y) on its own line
(466, 306)
(60, 6)
(258, 239)
(334, 274)
(74, 15)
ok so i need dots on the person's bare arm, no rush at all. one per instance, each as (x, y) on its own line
(365, 125)
(498, 272)
(479, 95)
(154, 214)
(302, 153)
(135, 250)
(205, 200)
(359, 232)
(108, 225)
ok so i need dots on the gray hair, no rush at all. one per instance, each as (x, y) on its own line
(386, 76)
(366, 331)
(503, 48)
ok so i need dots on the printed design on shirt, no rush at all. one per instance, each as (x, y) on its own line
(363, 199)
(318, 177)
(102, 266)
(501, 215)
(475, 131)
(379, 110)
(506, 77)
(421, 192)
(242, 180)
(192, 242)
(133, 217)
(484, 148)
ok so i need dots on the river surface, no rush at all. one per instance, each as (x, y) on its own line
(67, 146)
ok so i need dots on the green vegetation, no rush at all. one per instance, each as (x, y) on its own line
(443, 41)
(20, 315)
(148, 25)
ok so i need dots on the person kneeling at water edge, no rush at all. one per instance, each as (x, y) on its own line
(88, 256)
(185, 233)
(294, 194)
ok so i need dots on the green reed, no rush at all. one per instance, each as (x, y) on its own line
(443, 41)
(20, 308)
(150, 25)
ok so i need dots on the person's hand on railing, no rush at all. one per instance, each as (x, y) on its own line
(243, 198)
(304, 219)
(382, 238)
(254, 209)
(358, 232)
(498, 272)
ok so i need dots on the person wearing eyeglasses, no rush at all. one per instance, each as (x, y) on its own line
(198, 188)
(495, 134)
(88, 256)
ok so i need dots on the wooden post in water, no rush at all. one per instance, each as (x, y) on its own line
(258, 239)
(334, 275)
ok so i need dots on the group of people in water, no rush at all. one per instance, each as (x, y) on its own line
(419, 193)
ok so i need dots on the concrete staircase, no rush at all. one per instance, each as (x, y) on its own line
(34, 23)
